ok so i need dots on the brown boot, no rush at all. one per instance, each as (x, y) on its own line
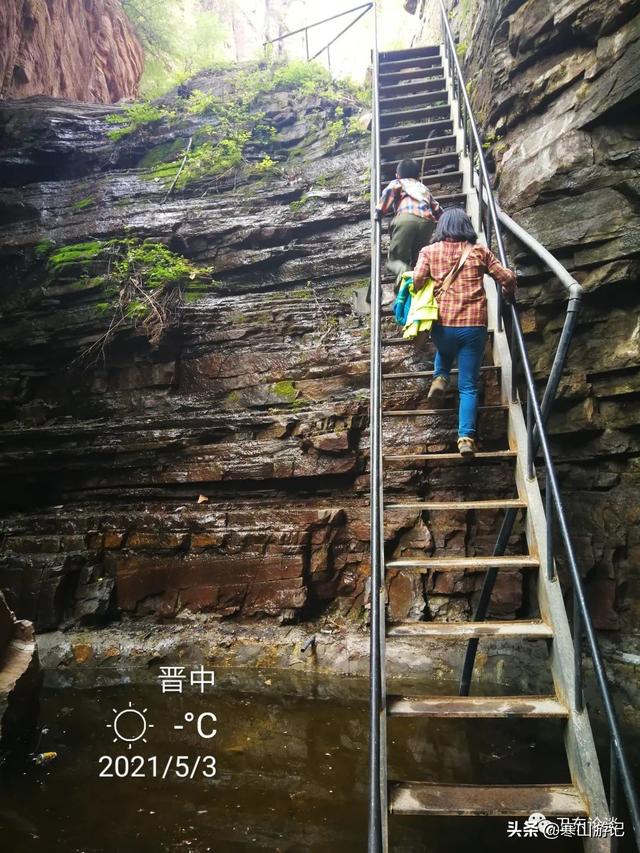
(466, 446)
(437, 392)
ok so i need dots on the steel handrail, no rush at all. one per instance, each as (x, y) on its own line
(377, 773)
(364, 6)
(536, 417)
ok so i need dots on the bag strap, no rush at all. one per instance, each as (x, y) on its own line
(451, 277)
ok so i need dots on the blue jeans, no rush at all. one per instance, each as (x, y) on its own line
(466, 343)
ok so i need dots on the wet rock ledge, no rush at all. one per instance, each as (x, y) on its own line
(20, 682)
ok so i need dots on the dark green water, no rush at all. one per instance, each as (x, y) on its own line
(291, 776)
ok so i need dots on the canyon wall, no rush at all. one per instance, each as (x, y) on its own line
(222, 469)
(86, 51)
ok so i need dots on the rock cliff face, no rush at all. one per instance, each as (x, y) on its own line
(557, 88)
(85, 51)
(255, 398)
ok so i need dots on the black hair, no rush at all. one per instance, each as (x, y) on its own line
(408, 169)
(455, 225)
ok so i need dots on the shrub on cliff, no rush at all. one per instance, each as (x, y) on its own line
(143, 282)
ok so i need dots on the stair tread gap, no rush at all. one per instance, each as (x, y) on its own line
(421, 99)
(409, 128)
(419, 143)
(524, 628)
(475, 707)
(444, 798)
(415, 114)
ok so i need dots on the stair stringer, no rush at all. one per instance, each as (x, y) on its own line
(579, 743)
(578, 737)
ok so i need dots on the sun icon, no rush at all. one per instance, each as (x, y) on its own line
(130, 725)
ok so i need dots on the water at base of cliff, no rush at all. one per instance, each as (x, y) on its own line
(290, 773)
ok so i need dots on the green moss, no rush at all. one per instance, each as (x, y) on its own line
(296, 206)
(136, 117)
(347, 290)
(286, 391)
(120, 268)
(301, 293)
(44, 248)
(162, 154)
(83, 203)
(77, 253)
(237, 120)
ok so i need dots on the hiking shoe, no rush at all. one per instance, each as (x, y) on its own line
(467, 446)
(437, 391)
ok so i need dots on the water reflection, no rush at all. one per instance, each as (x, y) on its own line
(291, 776)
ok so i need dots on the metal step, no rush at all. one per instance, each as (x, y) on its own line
(420, 413)
(421, 374)
(460, 506)
(441, 798)
(412, 87)
(422, 114)
(492, 456)
(409, 53)
(419, 146)
(408, 75)
(513, 629)
(456, 200)
(469, 564)
(445, 125)
(393, 102)
(409, 62)
(434, 100)
(476, 707)
(439, 178)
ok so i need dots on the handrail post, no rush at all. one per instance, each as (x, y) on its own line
(377, 749)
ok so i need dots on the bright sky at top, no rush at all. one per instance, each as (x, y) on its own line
(351, 53)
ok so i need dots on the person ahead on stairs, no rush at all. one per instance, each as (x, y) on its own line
(461, 330)
(416, 213)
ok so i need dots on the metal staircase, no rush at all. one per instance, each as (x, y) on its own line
(421, 110)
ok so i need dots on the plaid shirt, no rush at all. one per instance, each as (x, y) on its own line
(465, 302)
(394, 198)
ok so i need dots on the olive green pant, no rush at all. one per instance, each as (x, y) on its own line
(409, 233)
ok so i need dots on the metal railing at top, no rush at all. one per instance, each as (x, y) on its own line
(363, 9)
(537, 440)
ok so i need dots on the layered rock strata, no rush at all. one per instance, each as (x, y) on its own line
(223, 470)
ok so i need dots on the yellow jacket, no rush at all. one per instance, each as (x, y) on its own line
(423, 312)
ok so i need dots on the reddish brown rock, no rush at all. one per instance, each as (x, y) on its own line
(68, 49)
